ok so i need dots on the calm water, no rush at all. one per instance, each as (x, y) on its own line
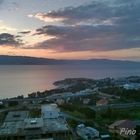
(18, 80)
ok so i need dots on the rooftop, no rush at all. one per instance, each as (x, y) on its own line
(58, 124)
(32, 123)
(11, 128)
(50, 107)
(19, 123)
(16, 116)
(102, 102)
(87, 132)
(123, 124)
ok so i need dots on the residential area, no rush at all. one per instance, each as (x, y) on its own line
(78, 109)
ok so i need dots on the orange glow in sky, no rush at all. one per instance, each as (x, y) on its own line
(75, 29)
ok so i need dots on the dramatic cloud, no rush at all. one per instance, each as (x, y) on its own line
(81, 38)
(101, 25)
(43, 17)
(10, 40)
(6, 28)
(25, 32)
(97, 12)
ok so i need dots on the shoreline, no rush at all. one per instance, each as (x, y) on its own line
(68, 84)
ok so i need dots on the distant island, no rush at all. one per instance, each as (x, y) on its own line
(24, 60)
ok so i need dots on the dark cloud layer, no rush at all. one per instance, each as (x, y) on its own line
(97, 11)
(81, 38)
(25, 32)
(1, 1)
(101, 25)
(8, 39)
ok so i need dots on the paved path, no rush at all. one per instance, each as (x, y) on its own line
(116, 106)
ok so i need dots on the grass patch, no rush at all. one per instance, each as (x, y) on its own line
(2, 117)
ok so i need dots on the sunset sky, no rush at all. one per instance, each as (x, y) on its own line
(71, 29)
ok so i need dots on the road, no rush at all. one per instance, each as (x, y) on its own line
(108, 95)
(116, 106)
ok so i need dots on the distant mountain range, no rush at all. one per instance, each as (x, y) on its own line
(23, 60)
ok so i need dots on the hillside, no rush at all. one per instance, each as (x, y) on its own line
(22, 60)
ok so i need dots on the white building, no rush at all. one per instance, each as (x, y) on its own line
(87, 133)
(1, 103)
(135, 86)
(60, 101)
(18, 125)
(50, 111)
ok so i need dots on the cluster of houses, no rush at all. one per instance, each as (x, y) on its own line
(130, 86)
(121, 129)
(18, 125)
(52, 125)
(124, 129)
(87, 133)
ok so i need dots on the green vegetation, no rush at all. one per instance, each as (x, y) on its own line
(99, 119)
(138, 132)
(73, 123)
(135, 113)
(79, 111)
(110, 115)
(2, 117)
(2, 106)
(81, 114)
(36, 113)
(131, 95)
(13, 103)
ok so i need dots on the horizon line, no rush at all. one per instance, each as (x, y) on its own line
(72, 59)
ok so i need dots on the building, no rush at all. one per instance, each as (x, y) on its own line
(67, 95)
(60, 101)
(56, 128)
(33, 128)
(130, 86)
(102, 102)
(50, 111)
(123, 128)
(54, 124)
(13, 125)
(87, 133)
(16, 116)
(19, 126)
(86, 101)
(1, 103)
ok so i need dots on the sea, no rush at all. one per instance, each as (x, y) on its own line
(24, 79)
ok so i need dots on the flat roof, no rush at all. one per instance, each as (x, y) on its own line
(11, 128)
(32, 123)
(58, 124)
(16, 116)
(87, 130)
(50, 107)
(18, 123)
